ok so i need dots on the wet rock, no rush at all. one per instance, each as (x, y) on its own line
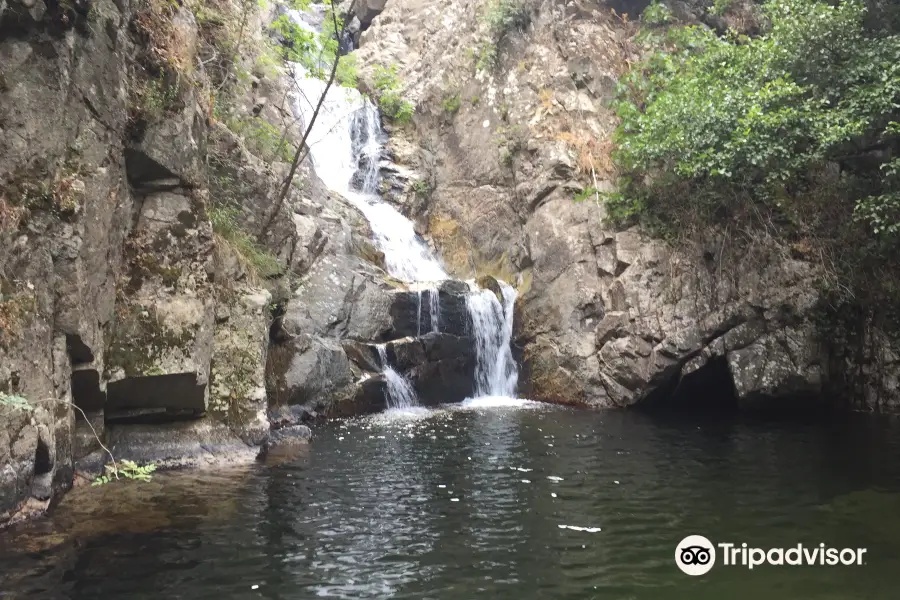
(487, 282)
(364, 356)
(365, 397)
(287, 416)
(444, 382)
(285, 444)
(307, 369)
(405, 353)
(284, 436)
(87, 432)
(441, 346)
(203, 442)
(411, 311)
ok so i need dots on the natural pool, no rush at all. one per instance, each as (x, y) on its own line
(469, 502)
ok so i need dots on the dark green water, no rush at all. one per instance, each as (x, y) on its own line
(368, 512)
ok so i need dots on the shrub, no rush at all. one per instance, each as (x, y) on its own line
(451, 104)
(586, 194)
(504, 16)
(390, 101)
(731, 114)
(126, 469)
(297, 44)
(421, 188)
(262, 139)
(153, 98)
(226, 223)
(789, 136)
(720, 7)
(501, 18)
(657, 14)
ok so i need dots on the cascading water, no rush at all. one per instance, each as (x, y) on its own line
(434, 306)
(492, 324)
(346, 147)
(399, 391)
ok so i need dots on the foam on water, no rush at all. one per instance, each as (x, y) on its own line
(498, 402)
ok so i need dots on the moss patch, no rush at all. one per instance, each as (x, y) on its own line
(17, 307)
(231, 387)
(141, 340)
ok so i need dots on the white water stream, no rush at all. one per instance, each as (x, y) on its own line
(400, 392)
(346, 147)
(492, 324)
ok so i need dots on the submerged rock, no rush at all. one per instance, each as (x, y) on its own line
(203, 442)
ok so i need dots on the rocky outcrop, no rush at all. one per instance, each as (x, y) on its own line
(512, 124)
(145, 249)
(328, 360)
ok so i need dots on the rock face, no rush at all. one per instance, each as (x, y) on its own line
(367, 10)
(328, 359)
(607, 317)
(153, 280)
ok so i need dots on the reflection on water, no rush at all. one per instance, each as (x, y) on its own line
(494, 501)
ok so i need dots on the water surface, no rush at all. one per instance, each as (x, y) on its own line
(466, 503)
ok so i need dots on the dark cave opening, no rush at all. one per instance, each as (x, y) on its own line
(43, 464)
(708, 390)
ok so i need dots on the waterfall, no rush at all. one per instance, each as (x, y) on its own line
(346, 147)
(419, 313)
(434, 309)
(400, 393)
(492, 324)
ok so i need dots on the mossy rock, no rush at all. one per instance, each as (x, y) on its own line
(369, 253)
(489, 282)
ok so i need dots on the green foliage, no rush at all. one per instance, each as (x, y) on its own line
(226, 222)
(882, 212)
(127, 469)
(487, 56)
(421, 188)
(316, 53)
(451, 104)
(501, 18)
(347, 72)
(262, 138)
(297, 44)
(14, 401)
(658, 14)
(720, 7)
(390, 101)
(722, 121)
(154, 98)
(505, 16)
(586, 194)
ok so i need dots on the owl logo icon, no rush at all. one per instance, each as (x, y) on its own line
(695, 555)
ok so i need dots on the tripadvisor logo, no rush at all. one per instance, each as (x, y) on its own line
(696, 555)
